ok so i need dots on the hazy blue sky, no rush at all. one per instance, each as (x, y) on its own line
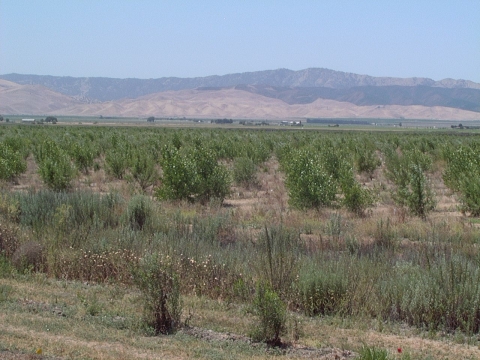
(150, 39)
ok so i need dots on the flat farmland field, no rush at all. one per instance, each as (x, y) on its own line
(216, 242)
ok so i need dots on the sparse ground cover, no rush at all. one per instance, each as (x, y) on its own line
(365, 239)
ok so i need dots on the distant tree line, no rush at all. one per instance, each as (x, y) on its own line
(221, 121)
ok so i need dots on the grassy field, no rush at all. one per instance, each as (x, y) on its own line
(367, 240)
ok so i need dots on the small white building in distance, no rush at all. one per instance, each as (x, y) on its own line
(28, 121)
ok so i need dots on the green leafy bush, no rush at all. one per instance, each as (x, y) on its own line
(55, 167)
(366, 159)
(408, 172)
(143, 169)
(12, 162)
(272, 315)
(83, 156)
(193, 175)
(355, 198)
(116, 161)
(309, 183)
(462, 175)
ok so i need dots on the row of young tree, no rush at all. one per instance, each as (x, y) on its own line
(198, 165)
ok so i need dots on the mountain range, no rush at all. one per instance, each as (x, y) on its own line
(270, 94)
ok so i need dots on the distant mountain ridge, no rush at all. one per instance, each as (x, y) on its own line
(93, 89)
(311, 92)
(233, 102)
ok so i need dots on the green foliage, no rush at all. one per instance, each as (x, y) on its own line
(193, 175)
(322, 289)
(418, 196)
(413, 190)
(116, 161)
(309, 183)
(355, 198)
(82, 155)
(372, 353)
(445, 295)
(55, 167)
(244, 170)
(143, 169)
(462, 175)
(366, 159)
(160, 289)
(272, 315)
(12, 163)
(65, 211)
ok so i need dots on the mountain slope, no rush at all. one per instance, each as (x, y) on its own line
(466, 99)
(105, 89)
(31, 99)
(222, 103)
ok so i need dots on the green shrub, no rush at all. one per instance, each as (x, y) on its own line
(143, 169)
(366, 159)
(355, 198)
(272, 316)
(413, 188)
(309, 183)
(55, 167)
(418, 196)
(462, 174)
(116, 161)
(161, 294)
(12, 162)
(193, 175)
(83, 156)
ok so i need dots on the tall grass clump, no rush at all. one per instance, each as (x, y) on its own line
(279, 252)
(139, 212)
(372, 353)
(244, 170)
(67, 212)
(322, 288)
(443, 296)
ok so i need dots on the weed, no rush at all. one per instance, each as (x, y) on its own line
(271, 312)
(161, 294)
